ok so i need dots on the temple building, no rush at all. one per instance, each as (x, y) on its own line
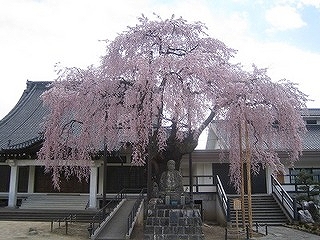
(21, 137)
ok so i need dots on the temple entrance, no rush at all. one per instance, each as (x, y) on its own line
(43, 183)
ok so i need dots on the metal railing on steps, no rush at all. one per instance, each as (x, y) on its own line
(106, 210)
(288, 203)
(134, 211)
(223, 198)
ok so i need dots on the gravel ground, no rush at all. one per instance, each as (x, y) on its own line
(41, 230)
(10, 230)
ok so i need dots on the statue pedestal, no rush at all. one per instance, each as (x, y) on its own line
(174, 200)
(173, 222)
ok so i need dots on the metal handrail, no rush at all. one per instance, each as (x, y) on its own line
(223, 199)
(289, 204)
(132, 214)
(99, 217)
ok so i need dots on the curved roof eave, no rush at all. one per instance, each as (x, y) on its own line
(21, 127)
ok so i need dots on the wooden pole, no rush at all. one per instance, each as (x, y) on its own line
(105, 181)
(149, 178)
(248, 162)
(190, 178)
(243, 211)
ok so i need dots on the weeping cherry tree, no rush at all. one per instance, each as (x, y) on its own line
(156, 89)
(260, 119)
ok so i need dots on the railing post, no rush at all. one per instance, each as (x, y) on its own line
(66, 227)
(90, 229)
(266, 229)
(226, 234)
(247, 232)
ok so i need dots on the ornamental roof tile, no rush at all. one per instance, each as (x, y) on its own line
(311, 140)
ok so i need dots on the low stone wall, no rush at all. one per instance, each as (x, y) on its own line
(168, 222)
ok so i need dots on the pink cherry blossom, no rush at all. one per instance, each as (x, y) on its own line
(159, 85)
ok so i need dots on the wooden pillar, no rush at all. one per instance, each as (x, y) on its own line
(31, 177)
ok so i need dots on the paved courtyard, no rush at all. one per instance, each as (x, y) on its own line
(281, 233)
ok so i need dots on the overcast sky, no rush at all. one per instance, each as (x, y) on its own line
(282, 35)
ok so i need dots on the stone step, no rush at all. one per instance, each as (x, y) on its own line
(265, 210)
(63, 202)
(44, 215)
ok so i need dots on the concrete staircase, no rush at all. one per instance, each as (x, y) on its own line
(265, 210)
(55, 202)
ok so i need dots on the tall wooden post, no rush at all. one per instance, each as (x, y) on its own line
(248, 163)
(149, 179)
(243, 211)
(190, 178)
(104, 190)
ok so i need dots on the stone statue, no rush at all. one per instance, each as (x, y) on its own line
(171, 182)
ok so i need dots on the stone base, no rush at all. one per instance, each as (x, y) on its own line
(168, 222)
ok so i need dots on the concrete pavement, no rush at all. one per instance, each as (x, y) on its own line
(285, 233)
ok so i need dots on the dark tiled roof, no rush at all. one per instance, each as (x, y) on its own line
(21, 127)
(311, 140)
(312, 112)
